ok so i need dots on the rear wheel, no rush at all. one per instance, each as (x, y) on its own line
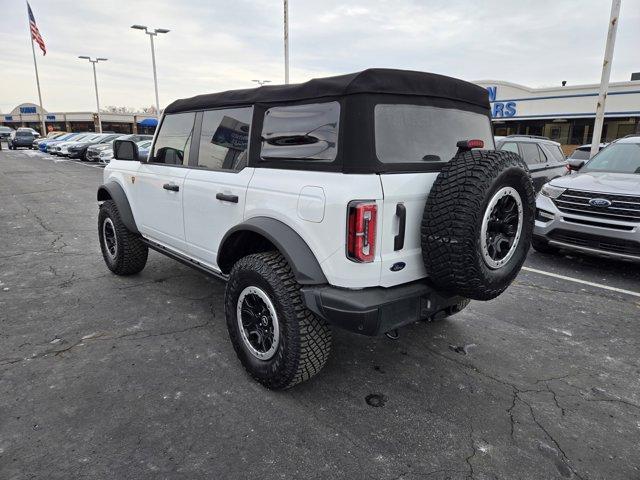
(277, 339)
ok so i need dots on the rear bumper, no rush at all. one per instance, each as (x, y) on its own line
(376, 310)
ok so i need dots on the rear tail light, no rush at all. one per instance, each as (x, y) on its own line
(361, 231)
(466, 145)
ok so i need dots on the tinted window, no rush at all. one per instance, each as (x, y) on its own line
(308, 132)
(225, 138)
(510, 147)
(417, 133)
(530, 153)
(556, 153)
(543, 156)
(174, 139)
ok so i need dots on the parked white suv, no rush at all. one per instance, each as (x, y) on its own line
(353, 201)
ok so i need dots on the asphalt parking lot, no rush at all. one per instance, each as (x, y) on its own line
(113, 377)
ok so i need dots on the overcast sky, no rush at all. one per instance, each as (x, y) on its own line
(223, 44)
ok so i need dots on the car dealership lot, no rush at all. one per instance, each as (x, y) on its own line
(134, 377)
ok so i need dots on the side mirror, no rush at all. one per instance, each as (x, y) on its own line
(575, 165)
(125, 150)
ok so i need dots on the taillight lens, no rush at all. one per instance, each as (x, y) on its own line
(361, 231)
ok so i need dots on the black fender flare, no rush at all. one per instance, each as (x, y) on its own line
(303, 262)
(112, 190)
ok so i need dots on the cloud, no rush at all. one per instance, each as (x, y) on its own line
(216, 45)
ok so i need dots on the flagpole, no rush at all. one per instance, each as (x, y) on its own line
(35, 64)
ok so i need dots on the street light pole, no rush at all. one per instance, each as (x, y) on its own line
(152, 33)
(155, 75)
(93, 62)
(286, 42)
(604, 80)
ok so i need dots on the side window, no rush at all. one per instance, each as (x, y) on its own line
(174, 139)
(510, 147)
(543, 156)
(305, 132)
(530, 153)
(556, 153)
(225, 138)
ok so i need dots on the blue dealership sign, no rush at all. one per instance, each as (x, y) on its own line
(500, 109)
(51, 118)
(26, 110)
(8, 118)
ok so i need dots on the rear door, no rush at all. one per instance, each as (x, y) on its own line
(215, 189)
(427, 137)
(160, 182)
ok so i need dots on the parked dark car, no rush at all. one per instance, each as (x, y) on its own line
(79, 149)
(5, 133)
(543, 156)
(22, 139)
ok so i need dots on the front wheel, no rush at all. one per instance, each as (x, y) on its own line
(277, 339)
(122, 250)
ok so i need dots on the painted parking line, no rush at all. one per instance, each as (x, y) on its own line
(583, 282)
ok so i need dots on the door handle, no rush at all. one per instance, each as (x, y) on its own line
(171, 186)
(401, 212)
(227, 198)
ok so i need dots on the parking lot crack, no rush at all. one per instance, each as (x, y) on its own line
(98, 337)
(565, 458)
(474, 450)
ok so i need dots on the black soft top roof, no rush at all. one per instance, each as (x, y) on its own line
(373, 80)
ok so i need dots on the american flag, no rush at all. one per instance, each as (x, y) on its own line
(35, 33)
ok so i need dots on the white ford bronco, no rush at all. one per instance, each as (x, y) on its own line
(365, 201)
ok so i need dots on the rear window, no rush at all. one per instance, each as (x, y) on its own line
(418, 133)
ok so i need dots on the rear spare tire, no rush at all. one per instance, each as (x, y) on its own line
(477, 223)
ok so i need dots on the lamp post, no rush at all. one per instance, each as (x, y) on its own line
(261, 82)
(152, 33)
(286, 42)
(604, 79)
(93, 62)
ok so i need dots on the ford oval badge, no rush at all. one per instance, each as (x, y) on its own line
(599, 202)
(396, 267)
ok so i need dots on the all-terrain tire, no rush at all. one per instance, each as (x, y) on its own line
(129, 255)
(304, 339)
(452, 247)
(542, 246)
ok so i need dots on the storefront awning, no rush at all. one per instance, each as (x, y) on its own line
(148, 122)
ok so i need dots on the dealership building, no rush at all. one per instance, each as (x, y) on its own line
(28, 115)
(566, 113)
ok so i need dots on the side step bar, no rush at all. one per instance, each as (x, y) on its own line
(184, 260)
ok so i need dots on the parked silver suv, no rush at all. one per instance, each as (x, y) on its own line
(596, 211)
